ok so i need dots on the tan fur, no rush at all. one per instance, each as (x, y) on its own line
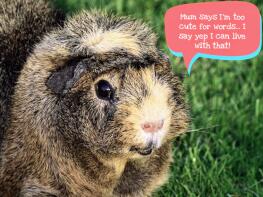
(101, 42)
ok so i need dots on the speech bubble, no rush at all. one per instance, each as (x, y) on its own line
(229, 30)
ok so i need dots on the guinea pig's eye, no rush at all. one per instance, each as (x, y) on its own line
(104, 90)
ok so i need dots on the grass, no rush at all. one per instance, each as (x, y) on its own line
(222, 154)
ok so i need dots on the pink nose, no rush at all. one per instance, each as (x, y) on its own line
(152, 127)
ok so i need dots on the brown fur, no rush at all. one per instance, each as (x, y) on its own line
(63, 140)
(22, 24)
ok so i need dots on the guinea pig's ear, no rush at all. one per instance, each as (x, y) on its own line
(62, 80)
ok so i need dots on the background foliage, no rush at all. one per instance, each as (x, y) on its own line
(222, 154)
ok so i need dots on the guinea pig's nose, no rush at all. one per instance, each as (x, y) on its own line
(152, 127)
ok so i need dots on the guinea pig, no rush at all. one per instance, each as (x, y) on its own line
(94, 112)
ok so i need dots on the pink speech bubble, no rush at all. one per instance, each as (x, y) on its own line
(228, 30)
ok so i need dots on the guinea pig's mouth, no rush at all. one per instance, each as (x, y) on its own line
(143, 151)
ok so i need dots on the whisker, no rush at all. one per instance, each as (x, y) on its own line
(202, 130)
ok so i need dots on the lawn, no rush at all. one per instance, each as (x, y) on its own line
(222, 154)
